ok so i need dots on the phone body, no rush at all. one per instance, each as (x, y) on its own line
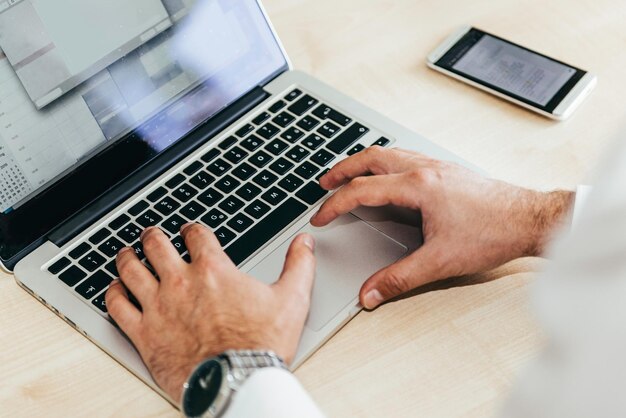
(527, 78)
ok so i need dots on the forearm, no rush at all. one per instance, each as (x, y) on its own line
(548, 213)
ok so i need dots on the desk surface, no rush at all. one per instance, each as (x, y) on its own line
(445, 352)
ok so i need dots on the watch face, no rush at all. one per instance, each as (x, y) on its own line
(204, 386)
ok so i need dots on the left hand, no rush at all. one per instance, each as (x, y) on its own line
(202, 309)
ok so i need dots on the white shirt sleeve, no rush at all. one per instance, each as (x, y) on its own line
(580, 302)
(272, 393)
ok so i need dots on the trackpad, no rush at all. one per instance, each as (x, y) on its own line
(348, 252)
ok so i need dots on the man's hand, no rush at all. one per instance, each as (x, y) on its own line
(204, 308)
(470, 223)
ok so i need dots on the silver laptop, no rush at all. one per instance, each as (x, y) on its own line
(118, 115)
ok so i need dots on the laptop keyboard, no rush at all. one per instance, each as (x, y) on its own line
(248, 189)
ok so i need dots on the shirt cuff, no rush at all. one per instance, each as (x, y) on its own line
(582, 196)
(272, 393)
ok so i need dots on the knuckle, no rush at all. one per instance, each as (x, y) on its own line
(395, 284)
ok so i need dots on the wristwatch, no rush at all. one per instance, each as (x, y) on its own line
(212, 385)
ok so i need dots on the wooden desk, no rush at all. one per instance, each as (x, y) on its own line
(443, 353)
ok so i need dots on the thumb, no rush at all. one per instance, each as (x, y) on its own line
(299, 270)
(413, 271)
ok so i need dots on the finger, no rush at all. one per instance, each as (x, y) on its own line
(160, 252)
(372, 191)
(421, 267)
(136, 276)
(123, 312)
(374, 160)
(298, 274)
(201, 243)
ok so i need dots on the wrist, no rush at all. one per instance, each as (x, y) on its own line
(549, 212)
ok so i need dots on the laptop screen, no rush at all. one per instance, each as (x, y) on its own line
(77, 76)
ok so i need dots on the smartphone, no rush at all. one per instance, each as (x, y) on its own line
(512, 72)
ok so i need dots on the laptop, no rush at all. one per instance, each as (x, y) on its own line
(118, 115)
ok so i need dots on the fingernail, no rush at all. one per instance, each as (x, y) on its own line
(308, 241)
(373, 299)
(115, 282)
(145, 231)
(125, 249)
(185, 227)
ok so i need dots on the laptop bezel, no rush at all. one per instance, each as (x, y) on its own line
(33, 218)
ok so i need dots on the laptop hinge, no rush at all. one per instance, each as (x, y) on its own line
(132, 184)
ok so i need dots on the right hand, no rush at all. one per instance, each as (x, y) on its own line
(470, 223)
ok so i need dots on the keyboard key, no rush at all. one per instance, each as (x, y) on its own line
(347, 138)
(185, 192)
(175, 181)
(72, 276)
(277, 147)
(293, 95)
(311, 193)
(313, 142)
(322, 174)
(356, 149)
(80, 251)
(99, 236)
(274, 196)
(193, 168)
(202, 180)
(214, 218)
(308, 123)
(173, 224)
(257, 209)
(219, 167)
(235, 155)
(193, 211)
(307, 170)
(300, 107)
(138, 208)
(252, 143)
(329, 130)
(59, 265)
(325, 112)
(240, 223)
(244, 171)
(261, 159)
(227, 184)
(244, 131)
(265, 179)
(130, 233)
(210, 197)
(261, 118)
(381, 142)
(265, 230)
(224, 236)
(284, 119)
(268, 131)
(187, 258)
(291, 183)
(111, 267)
(227, 143)
(211, 155)
(111, 247)
(231, 205)
(119, 222)
(248, 192)
(94, 285)
(281, 166)
(276, 107)
(167, 206)
(100, 302)
(149, 218)
(298, 154)
(292, 135)
(157, 194)
(92, 261)
(322, 157)
(179, 244)
(138, 248)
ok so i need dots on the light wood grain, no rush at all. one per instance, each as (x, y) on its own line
(446, 352)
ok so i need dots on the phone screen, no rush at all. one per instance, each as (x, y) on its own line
(511, 69)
